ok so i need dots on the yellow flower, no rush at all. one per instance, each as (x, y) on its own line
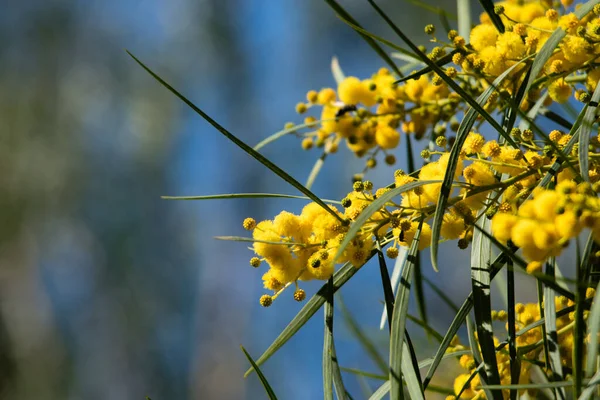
(502, 225)
(408, 235)
(452, 226)
(473, 143)
(386, 136)
(352, 91)
(575, 49)
(510, 46)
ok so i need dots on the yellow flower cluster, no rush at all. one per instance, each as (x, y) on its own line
(543, 225)
(367, 114)
(529, 348)
(303, 247)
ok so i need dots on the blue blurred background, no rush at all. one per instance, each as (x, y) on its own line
(109, 292)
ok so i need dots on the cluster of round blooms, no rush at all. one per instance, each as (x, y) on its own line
(369, 115)
(543, 225)
(303, 247)
(529, 345)
(492, 179)
(539, 221)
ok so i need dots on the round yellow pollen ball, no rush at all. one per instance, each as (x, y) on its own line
(387, 137)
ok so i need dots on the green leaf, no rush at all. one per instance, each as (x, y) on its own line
(523, 386)
(441, 294)
(364, 340)
(366, 374)
(463, 10)
(515, 363)
(434, 9)
(481, 254)
(262, 378)
(381, 391)
(244, 196)
(426, 327)
(398, 323)
(461, 136)
(336, 71)
(388, 292)
(396, 274)
(592, 387)
(593, 332)
(293, 129)
(328, 343)
(552, 43)
(374, 45)
(310, 308)
(449, 81)
(488, 6)
(550, 325)
(585, 132)
(458, 320)
(249, 150)
(372, 209)
(441, 62)
(314, 172)
(525, 123)
(410, 371)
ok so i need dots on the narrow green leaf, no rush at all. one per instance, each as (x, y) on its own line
(372, 209)
(481, 254)
(262, 378)
(366, 374)
(592, 387)
(458, 320)
(593, 332)
(455, 355)
(338, 382)
(513, 110)
(244, 196)
(440, 62)
(585, 132)
(328, 343)
(426, 327)
(441, 294)
(314, 172)
(461, 136)
(410, 371)
(398, 322)
(463, 10)
(381, 391)
(488, 6)
(449, 81)
(525, 123)
(249, 150)
(395, 280)
(310, 308)
(374, 45)
(552, 43)
(515, 363)
(580, 325)
(388, 292)
(554, 117)
(284, 132)
(336, 71)
(523, 386)
(364, 340)
(434, 9)
(476, 352)
(551, 333)
(419, 289)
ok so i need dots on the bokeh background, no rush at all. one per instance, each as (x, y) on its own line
(109, 292)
